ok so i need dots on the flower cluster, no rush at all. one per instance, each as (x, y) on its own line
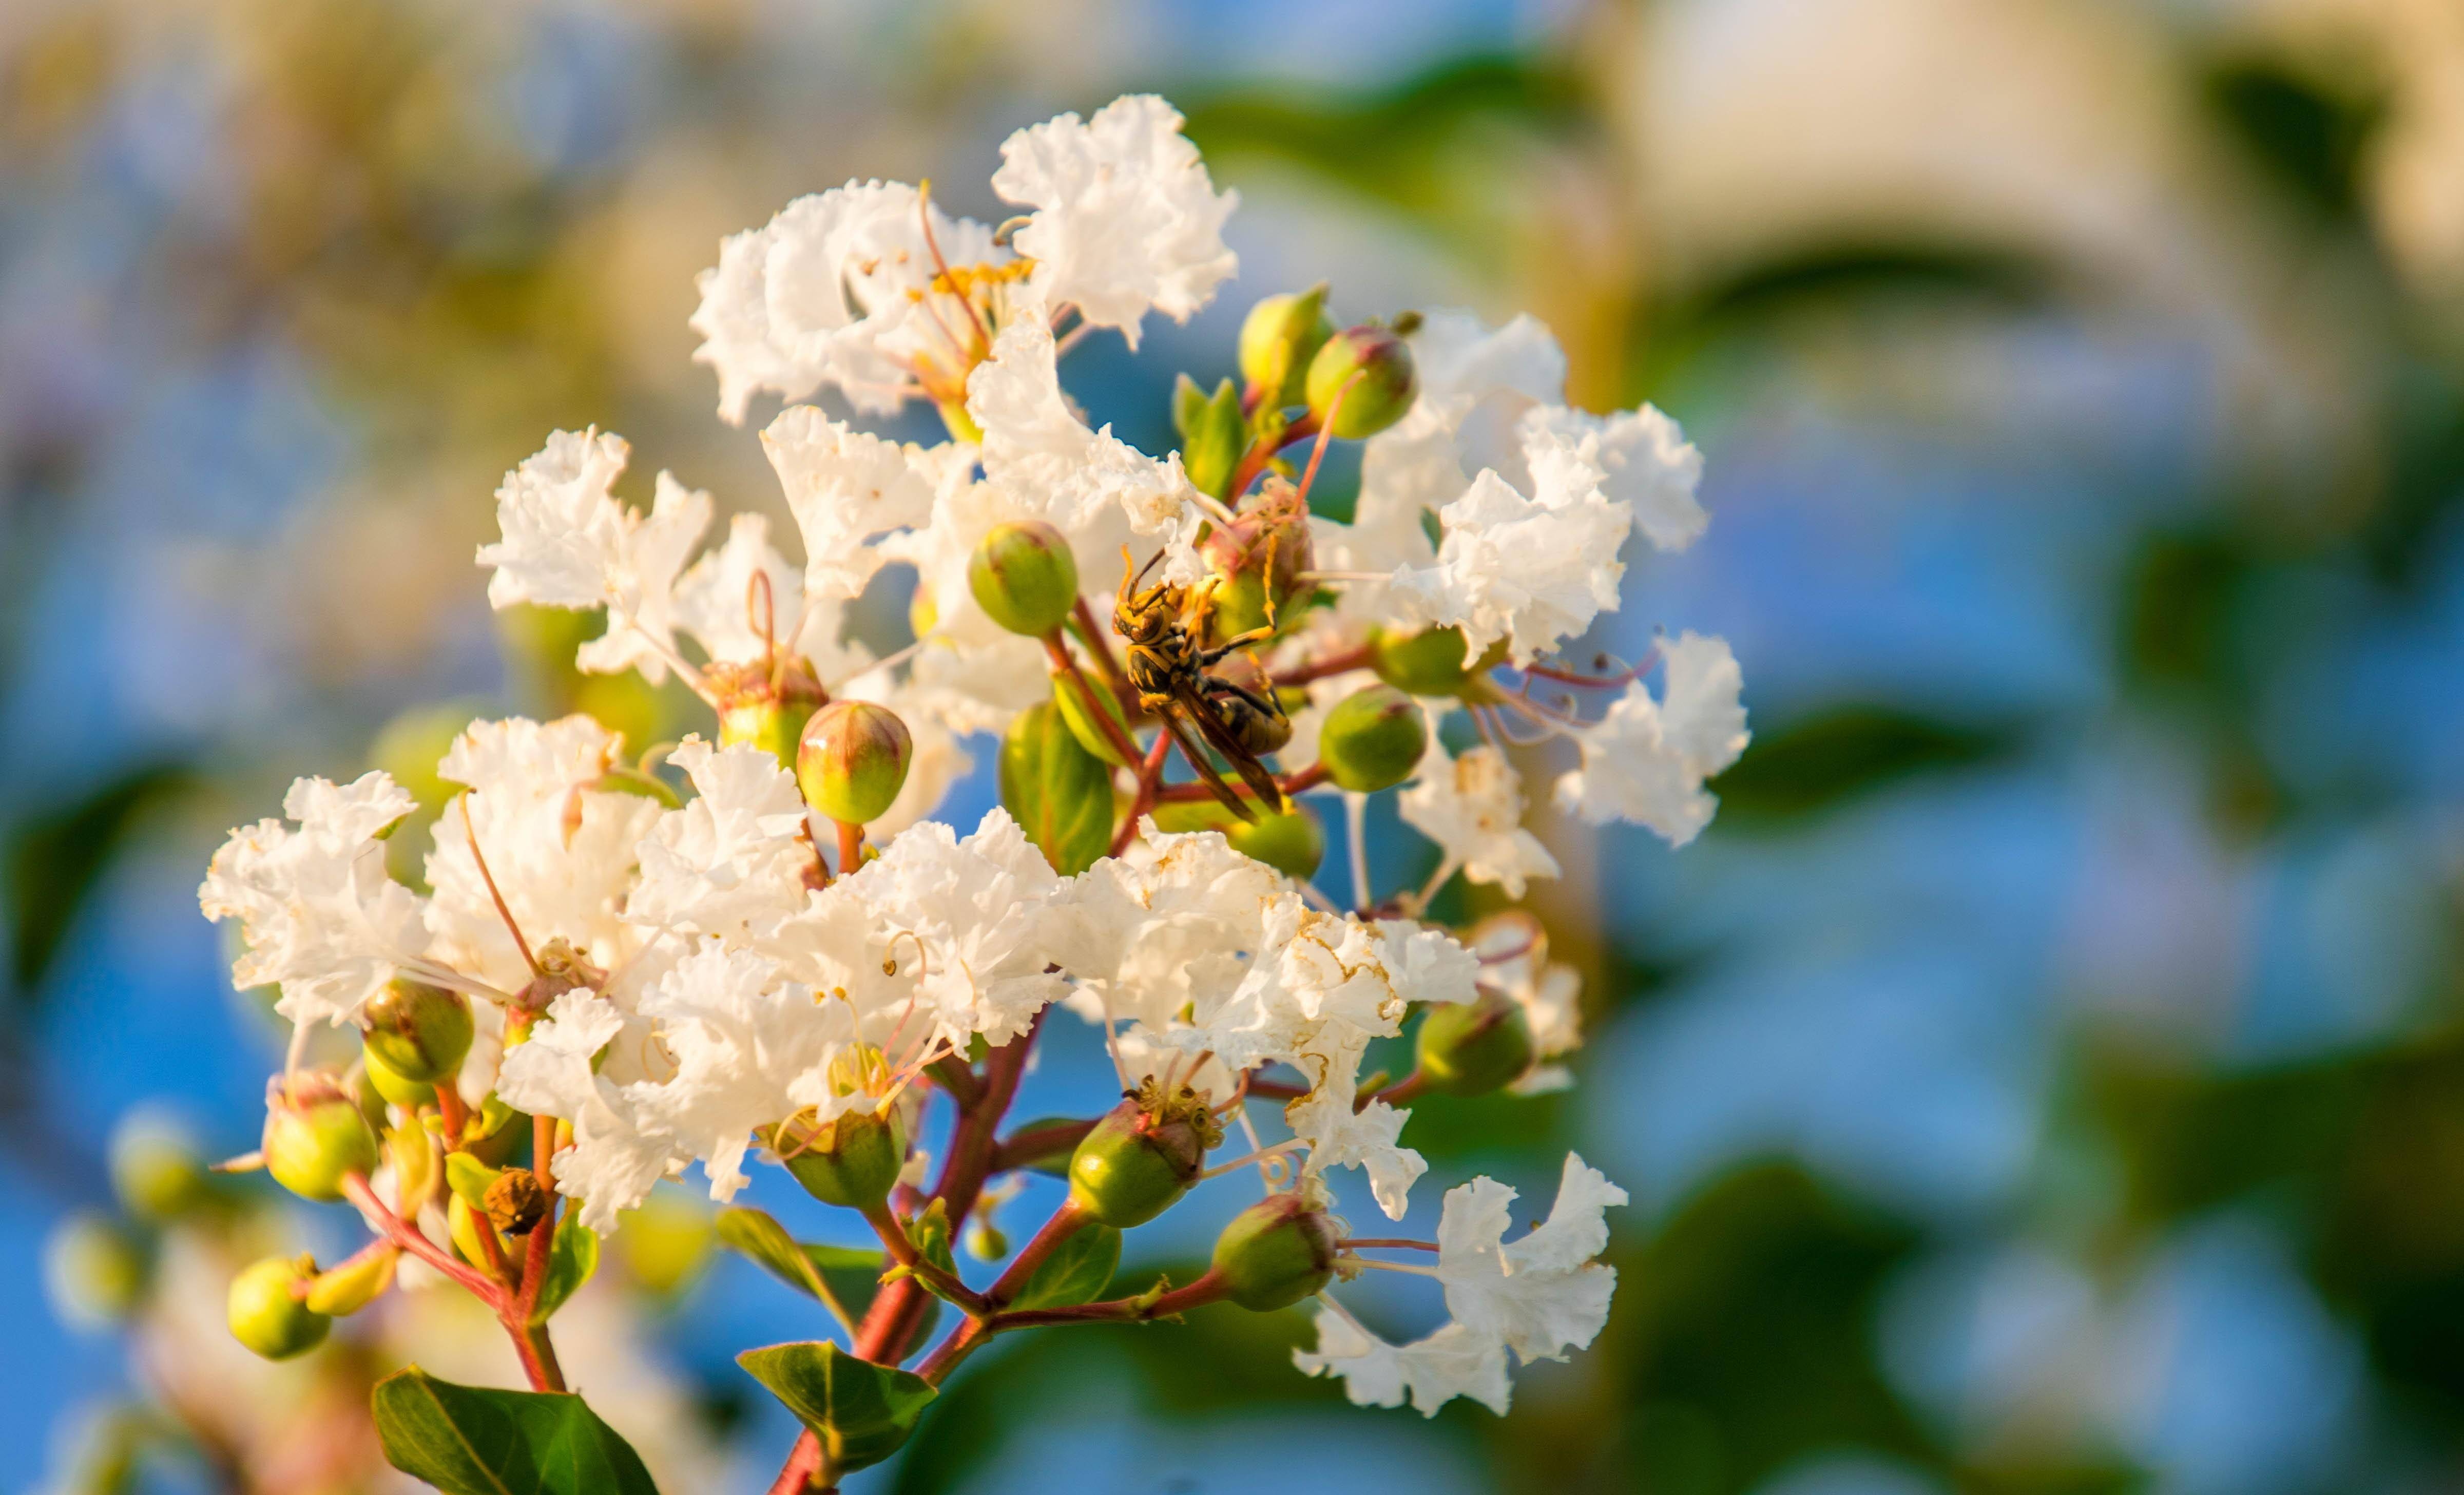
(762, 944)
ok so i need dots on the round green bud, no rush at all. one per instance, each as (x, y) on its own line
(266, 1313)
(419, 1031)
(1135, 1166)
(156, 1170)
(1293, 844)
(1377, 367)
(1473, 1047)
(1275, 1253)
(1278, 338)
(1372, 739)
(399, 1089)
(852, 1160)
(764, 705)
(853, 760)
(94, 1270)
(1024, 577)
(1431, 662)
(315, 1137)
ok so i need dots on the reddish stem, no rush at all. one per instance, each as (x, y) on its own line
(1102, 648)
(1341, 662)
(452, 1111)
(1150, 778)
(411, 1238)
(1395, 1243)
(850, 847)
(1262, 451)
(1019, 1149)
(1119, 1310)
(1300, 783)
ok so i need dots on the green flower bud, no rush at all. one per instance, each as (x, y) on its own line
(1257, 559)
(1058, 793)
(156, 1170)
(1293, 844)
(94, 1270)
(1142, 1156)
(1372, 739)
(1386, 385)
(419, 1031)
(764, 706)
(1431, 662)
(1278, 338)
(354, 1284)
(1275, 1253)
(265, 1311)
(853, 760)
(852, 1160)
(1024, 577)
(1081, 700)
(401, 1089)
(1473, 1047)
(315, 1136)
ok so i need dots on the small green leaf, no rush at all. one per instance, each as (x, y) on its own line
(754, 1232)
(572, 1257)
(862, 1411)
(478, 1440)
(1077, 1271)
(1214, 433)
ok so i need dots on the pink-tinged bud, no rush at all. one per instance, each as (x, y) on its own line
(316, 1136)
(1142, 1156)
(265, 1311)
(763, 705)
(1259, 557)
(1024, 577)
(853, 760)
(1372, 739)
(1278, 338)
(1275, 1253)
(1473, 1047)
(419, 1031)
(1385, 385)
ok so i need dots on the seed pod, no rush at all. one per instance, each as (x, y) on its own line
(1278, 338)
(1058, 793)
(516, 1203)
(265, 1314)
(1141, 1158)
(1430, 662)
(1372, 739)
(853, 760)
(1293, 844)
(315, 1137)
(354, 1284)
(852, 1160)
(419, 1031)
(1023, 577)
(1275, 1253)
(1385, 386)
(1473, 1047)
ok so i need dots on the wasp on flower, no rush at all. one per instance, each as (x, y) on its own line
(759, 946)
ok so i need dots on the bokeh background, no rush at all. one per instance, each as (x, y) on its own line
(2047, 1075)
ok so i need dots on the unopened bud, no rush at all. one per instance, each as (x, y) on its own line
(402, 1090)
(1431, 662)
(354, 1284)
(1473, 1047)
(1377, 367)
(853, 760)
(764, 705)
(315, 1137)
(1278, 338)
(1141, 1158)
(419, 1031)
(1293, 844)
(266, 1313)
(1275, 1253)
(1059, 794)
(156, 1170)
(94, 1270)
(852, 1160)
(515, 1202)
(1258, 559)
(985, 1241)
(1372, 739)
(1024, 577)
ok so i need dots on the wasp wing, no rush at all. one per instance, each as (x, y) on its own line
(1171, 719)
(1219, 737)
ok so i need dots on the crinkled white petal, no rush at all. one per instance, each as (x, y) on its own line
(846, 487)
(1471, 805)
(738, 853)
(1645, 760)
(1543, 1294)
(1340, 1135)
(1431, 1372)
(1646, 464)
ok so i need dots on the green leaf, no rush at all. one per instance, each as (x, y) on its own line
(1058, 793)
(754, 1232)
(572, 1257)
(1834, 757)
(49, 864)
(470, 1179)
(478, 1440)
(1077, 1271)
(862, 1411)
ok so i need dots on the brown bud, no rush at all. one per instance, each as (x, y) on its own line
(516, 1201)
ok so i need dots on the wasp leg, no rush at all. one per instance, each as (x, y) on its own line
(1216, 685)
(1209, 658)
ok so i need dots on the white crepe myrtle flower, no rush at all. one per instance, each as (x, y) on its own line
(738, 852)
(1541, 1294)
(1169, 924)
(561, 851)
(718, 606)
(1343, 1134)
(1454, 1361)
(615, 1157)
(1533, 568)
(1646, 463)
(1645, 760)
(566, 542)
(317, 913)
(1471, 805)
(847, 488)
(1124, 217)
